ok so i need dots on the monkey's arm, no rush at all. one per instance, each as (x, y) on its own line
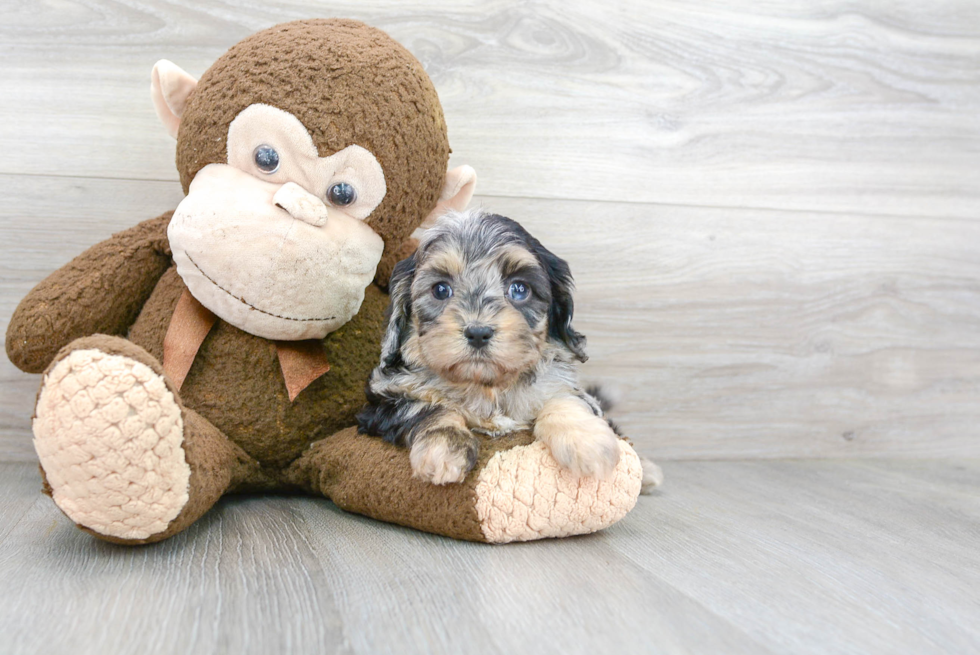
(516, 491)
(99, 292)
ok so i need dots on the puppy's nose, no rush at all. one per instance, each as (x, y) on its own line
(478, 335)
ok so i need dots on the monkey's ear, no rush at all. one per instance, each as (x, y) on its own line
(399, 312)
(457, 192)
(458, 188)
(170, 87)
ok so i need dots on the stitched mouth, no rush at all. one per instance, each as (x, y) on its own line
(250, 305)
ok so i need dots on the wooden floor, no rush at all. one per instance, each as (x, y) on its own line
(772, 211)
(730, 557)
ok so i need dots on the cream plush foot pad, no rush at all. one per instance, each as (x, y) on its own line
(108, 433)
(523, 494)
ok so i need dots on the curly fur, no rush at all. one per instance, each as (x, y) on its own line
(432, 374)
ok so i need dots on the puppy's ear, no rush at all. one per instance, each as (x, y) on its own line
(399, 312)
(562, 307)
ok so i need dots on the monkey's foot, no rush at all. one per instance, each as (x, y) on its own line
(523, 494)
(109, 434)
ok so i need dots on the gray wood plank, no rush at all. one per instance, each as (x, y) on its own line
(242, 580)
(21, 485)
(838, 106)
(571, 596)
(270, 575)
(724, 333)
(741, 333)
(822, 557)
(777, 556)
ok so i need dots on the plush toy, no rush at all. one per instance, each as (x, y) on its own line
(224, 347)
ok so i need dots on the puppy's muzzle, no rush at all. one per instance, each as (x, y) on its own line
(478, 336)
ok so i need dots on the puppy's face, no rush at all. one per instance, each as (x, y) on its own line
(480, 314)
(478, 301)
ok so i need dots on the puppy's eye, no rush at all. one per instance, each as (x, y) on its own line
(266, 158)
(341, 194)
(441, 291)
(518, 291)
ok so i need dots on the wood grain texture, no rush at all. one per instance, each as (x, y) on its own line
(723, 333)
(241, 580)
(573, 596)
(834, 313)
(822, 557)
(733, 557)
(750, 333)
(855, 107)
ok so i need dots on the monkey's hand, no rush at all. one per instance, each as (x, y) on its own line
(99, 292)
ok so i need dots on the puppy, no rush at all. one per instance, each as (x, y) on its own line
(480, 339)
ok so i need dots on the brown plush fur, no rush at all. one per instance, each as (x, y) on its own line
(90, 294)
(318, 71)
(259, 416)
(384, 487)
(391, 258)
(217, 464)
(349, 84)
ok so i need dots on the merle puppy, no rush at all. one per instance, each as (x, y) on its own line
(480, 339)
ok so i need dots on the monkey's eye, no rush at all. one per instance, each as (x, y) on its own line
(441, 291)
(266, 158)
(519, 291)
(341, 194)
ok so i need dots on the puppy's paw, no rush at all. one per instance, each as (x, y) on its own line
(586, 446)
(443, 455)
(653, 476)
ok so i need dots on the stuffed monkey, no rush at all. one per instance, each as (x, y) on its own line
(224, 347)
